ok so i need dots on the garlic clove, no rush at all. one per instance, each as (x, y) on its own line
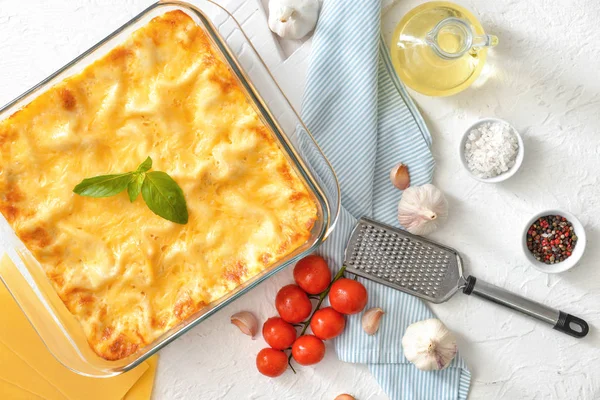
(400, 177)
(429, 345)
(246, 322)
(422, 209)
(344, 396)
(371, 319)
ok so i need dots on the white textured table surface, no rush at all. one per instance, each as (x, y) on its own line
(543, 77)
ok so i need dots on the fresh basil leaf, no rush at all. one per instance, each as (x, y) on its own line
(160, 192)
(103, 185)
(135, 186)
(145, 166)
(164, 197)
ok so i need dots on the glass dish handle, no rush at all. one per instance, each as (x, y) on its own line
(323, 172)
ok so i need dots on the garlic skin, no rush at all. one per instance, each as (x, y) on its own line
(293, 19)
(246, 322)
(400, 177)
(422, 208)
(429, 345)
(371, 319)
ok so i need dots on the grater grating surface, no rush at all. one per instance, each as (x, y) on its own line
(403, 261)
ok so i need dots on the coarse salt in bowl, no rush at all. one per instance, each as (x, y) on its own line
(498, 134)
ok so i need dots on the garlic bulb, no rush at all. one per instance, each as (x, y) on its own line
(246, 322)
(371, 319)
(429, 345)
(293, 19)
(422, 208)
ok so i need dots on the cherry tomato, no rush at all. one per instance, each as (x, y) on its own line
(293, 304)
(271, 362)
(278, 334)
(312, 274)
(327, 323)
(308, 350)
(348, 296)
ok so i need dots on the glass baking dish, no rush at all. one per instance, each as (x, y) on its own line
(23, 275)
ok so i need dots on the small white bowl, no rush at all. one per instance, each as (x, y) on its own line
(571, 261)
(504, 176)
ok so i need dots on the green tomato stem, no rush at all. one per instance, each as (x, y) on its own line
(290, 363)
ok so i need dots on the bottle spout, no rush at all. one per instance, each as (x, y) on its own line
(485, 41)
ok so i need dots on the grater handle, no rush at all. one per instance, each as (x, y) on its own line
(561, 321)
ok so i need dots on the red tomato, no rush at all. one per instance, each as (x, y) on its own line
(327, 323)
(271, 362)
(278, 334)
(293, 304)
(308, 350)
(348, 296)
(312, 274)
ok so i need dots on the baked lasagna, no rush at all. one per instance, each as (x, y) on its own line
(125, 273)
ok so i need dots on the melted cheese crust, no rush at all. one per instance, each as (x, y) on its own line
(126, 274)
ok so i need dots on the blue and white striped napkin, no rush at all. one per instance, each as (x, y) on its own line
(365, 122)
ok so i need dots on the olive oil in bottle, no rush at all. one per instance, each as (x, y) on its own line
(439, 48)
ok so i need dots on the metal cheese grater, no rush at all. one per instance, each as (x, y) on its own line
(434, 272)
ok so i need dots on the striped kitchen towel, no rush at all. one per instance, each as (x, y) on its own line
(365, 122)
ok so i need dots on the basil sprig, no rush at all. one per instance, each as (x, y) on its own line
(160, 192)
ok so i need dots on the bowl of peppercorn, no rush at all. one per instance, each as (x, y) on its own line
(554, 241)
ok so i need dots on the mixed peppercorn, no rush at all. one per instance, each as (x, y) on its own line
(551, 239)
